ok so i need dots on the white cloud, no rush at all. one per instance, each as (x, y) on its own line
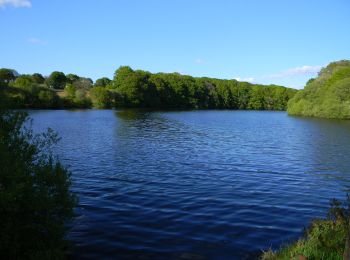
(249, 79)
(15, 3)
(199, 61)
(303, 70)
(37, 41)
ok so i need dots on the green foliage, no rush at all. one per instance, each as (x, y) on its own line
(48, 99)
(6, 76)
(23, 81)
(142, 89)
(32, 95)
(129, 84)
(103, 82)
(83, 83)
(80, 99)
(324, 239)
(326, 96)
(76, 98)
(38, 78)
(35, 201)
(101, 97)
(56, 80)
(172, 90)
(71, 78)
(70, 90)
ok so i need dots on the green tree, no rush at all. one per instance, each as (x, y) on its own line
(327, 95)
(70, 90)
(83, 83)
(81, 99)
(6, 76)
(35, 201)
(56, 80)
(103, 82)
(38, 78)
(71, 78)
(101, 97)
(48, 98)
(140, 88)
(128, 83)
(23, 81)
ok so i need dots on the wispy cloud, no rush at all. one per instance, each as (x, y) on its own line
(15, 3)
(302, 70)
(249, 79)
(37, 41)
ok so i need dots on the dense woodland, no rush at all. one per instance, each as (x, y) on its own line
(326, 96)
(138, 89)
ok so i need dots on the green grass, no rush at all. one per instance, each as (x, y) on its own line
(324, 239)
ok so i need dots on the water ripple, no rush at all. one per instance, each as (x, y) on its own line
(196, 185)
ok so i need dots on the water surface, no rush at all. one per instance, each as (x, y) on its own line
(196, 185)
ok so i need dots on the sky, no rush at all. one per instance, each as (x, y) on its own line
(284, 42)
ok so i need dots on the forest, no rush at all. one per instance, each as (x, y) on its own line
(138, 89)
(326, 96)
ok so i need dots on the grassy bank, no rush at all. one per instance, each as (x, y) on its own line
(324, 239)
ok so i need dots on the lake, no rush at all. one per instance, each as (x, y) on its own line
(196, 184)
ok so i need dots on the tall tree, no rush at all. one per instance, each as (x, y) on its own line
(56, 80)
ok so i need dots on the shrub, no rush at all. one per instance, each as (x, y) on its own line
(35, 201)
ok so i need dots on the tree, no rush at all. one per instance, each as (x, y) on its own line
(128, 83)
(38, 78)
(35, 201)
(326, 96)
(101, 97)
(56, 80)
(71, 78)
(23, 81)
(70, 90)
(47, 98)
(6, 76)
(83, 83)
(103, 82)
(140, 88)
(80, 98)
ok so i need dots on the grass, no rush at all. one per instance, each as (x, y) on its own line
(324, 239)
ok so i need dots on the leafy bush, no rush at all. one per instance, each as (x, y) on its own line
(35, 201)
(101, 97)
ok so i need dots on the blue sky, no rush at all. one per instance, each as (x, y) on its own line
(266, 41)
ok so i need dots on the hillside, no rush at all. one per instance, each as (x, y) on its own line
(327, 96)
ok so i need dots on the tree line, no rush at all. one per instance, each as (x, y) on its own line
(139, 89)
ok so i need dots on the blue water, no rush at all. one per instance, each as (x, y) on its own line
(196, 185)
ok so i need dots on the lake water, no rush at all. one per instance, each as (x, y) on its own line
(196, 185)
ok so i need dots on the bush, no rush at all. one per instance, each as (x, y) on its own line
(35, 201)
(101, 97)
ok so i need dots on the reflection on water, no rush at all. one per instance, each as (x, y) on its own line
(203, 184)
